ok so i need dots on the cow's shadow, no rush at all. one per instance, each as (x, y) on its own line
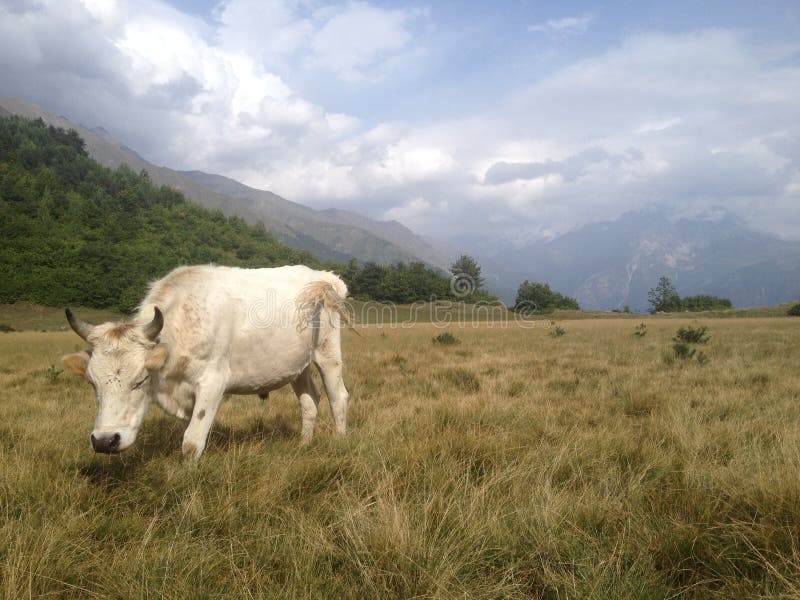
(224, 436)
(161, 439)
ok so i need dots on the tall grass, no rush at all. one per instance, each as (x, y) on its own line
(578, 467)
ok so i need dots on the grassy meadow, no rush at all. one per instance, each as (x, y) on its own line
(512, 464)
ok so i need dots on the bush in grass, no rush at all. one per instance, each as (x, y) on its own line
(52, 373)
(690, 335)
(684, 351)
(558, 332)
(446, 339)
(6, 328)
(640, 330)
(794, 311)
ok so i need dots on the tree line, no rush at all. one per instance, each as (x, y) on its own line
(536, 296)
(74, 232)
(665, 298)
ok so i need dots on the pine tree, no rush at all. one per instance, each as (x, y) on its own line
(469, 267)
(664, 297)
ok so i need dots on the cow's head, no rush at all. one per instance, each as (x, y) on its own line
(119, 365)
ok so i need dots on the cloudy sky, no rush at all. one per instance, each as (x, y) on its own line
(509, 120)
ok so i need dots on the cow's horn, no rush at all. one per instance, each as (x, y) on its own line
(153, 328)
(82, 328)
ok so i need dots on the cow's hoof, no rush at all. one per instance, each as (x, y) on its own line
(189, 451)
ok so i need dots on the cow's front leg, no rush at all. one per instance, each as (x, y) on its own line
(207, 400)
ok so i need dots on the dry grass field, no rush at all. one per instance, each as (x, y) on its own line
(513, 464)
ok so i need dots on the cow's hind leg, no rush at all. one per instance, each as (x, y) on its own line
(308, 397)
(329, 362)
(208, 397)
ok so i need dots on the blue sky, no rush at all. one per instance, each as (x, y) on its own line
(477, 51)
(506, 120)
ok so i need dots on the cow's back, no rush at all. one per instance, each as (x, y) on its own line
(241, 321)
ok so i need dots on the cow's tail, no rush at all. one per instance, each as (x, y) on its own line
(323, 297)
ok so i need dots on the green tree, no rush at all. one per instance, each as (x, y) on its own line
(535, 296)
(468, 268)
(664, 297)
(370, 282)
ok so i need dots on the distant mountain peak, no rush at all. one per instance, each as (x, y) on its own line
(612, 263)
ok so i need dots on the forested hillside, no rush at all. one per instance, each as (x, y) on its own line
(331, 235)
(74, 232)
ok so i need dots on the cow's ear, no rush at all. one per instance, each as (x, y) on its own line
(156, 358)
(75, 364)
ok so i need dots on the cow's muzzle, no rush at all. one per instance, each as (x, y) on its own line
(107, 444)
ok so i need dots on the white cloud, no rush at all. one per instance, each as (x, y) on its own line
(679, 120)
(357, 42)
(565, 26)
(409, 212)
(406, 162)
(705, 118)
(265, 30)
(658, 125)
(158, 52)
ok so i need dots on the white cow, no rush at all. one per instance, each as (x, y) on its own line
(205, 331)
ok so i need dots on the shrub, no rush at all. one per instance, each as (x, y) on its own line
(557, 332)
(52, 373)
(690, 335)
(685, 352)
(446, 339)
(6, 328)
(640, 331)
(794, 311)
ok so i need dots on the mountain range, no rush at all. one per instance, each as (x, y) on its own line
(611, 264)
(605, 265)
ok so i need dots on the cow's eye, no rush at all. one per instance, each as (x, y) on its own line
(138, 385)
